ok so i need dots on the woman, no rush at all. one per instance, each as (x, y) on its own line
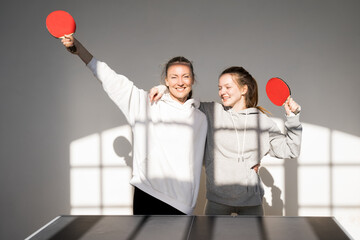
(239, 135)
(168, 137)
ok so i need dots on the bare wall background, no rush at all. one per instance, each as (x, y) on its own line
(48, 98)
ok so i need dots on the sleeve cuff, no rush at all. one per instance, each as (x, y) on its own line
(92, 64)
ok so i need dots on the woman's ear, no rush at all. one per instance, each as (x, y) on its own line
(166, 82)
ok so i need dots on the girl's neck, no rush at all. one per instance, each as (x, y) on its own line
(240, 105)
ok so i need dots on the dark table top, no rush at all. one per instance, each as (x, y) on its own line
(191, 227)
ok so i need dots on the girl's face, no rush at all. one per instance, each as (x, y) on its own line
(231, 94)
(179, 80)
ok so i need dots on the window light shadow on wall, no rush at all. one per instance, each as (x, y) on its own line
(321, 182)
(100, 173)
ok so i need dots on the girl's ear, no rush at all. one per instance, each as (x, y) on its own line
(244, 90)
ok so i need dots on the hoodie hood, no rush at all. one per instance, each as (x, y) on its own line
(187, 105)
(246, 111)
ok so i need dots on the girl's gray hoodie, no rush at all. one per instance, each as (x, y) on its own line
(237, 141)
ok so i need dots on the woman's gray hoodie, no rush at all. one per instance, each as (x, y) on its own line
(237, 141)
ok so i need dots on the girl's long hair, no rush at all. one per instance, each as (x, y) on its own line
(242, 78)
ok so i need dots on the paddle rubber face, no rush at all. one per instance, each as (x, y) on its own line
(277, 91)
(60, 23)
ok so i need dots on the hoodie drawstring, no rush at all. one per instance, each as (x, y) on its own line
(237, 136)
(243, 144)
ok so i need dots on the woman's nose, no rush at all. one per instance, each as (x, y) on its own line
(180, 81)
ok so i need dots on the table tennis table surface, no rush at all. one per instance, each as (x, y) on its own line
(190, 227)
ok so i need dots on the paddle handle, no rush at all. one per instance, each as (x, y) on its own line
(297, 110)
(72, 49)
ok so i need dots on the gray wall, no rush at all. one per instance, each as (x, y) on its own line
(48, 98)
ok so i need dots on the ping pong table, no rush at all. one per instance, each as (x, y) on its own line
(99, 227)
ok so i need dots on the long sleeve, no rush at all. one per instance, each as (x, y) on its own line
(120, 89)
(286, 145)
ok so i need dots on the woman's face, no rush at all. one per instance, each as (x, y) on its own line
(179, 80)
(230, 92)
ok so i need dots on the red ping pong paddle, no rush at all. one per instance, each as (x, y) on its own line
(278, 91)
(60, 23)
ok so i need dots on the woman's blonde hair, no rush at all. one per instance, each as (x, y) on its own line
(178, 60)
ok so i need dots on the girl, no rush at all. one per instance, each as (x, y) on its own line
(239, 135)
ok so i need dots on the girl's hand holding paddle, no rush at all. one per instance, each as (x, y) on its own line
(291, 107)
